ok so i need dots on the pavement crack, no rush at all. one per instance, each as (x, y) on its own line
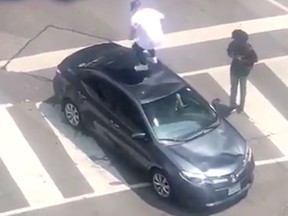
(81, 33)
(4, 67)
(40, 78)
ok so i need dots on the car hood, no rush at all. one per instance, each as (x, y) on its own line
(217, 153)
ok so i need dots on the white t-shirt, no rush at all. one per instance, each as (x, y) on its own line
(148, 26)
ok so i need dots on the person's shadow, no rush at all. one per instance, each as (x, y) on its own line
(222, 110)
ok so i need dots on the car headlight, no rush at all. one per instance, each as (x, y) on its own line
(194, 178)
(248, 155)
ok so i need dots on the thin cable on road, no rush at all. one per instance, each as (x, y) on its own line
(6, 63)
(279, 5)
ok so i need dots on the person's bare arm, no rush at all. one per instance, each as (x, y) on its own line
(133, 27)
(132, 33)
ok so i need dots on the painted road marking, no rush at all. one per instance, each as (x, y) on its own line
(261, 112)
(280, 68)
(99, 178)
(94, 195)
(6, 105)
(271, 161)
(279, 5)
(69, 200)
(273, 62)
(181, 38)
(23, 164)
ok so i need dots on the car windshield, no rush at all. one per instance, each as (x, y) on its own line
(180, 115)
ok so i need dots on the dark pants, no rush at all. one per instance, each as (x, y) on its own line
(142, 58)
(235, 80)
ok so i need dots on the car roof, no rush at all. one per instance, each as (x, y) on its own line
(117, 63)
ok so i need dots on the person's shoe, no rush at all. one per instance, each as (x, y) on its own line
(239, 109)
(234, 107)
(141, 67)
(155, 60)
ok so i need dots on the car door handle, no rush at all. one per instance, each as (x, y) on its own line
(114, 124)
(81, 95)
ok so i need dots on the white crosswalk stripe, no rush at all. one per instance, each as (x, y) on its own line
(31, 176)
(23, 164)
(182, 38)
(254, 101)
(279, 67)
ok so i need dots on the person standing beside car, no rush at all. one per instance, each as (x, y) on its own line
(243, 59)
(146, 31)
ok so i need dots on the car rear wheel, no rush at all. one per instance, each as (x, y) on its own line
(72, 114)
(161, 184)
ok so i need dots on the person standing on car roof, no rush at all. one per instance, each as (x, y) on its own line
(146, 31)
(243, 59)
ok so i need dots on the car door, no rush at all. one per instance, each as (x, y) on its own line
(93, 107)
(126, 122)
(104, 109)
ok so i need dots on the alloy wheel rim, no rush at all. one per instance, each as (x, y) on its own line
(72, 114)
(161, 185)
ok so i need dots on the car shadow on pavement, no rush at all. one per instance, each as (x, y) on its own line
(99, 152)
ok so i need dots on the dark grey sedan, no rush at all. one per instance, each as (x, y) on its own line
(158, 121)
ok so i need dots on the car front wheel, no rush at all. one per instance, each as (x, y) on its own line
(161, 184)
(72, 114)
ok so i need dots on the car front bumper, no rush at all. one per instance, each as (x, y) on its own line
(212, 195)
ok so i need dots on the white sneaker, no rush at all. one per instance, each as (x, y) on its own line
(146, 52)
(155, 60)
(141, 67)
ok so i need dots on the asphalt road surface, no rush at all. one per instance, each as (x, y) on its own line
(47, 168)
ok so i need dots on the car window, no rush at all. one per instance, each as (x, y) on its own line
(91, 90)
(117, 102)
(99, 89)
(128, 112)
(179, 115)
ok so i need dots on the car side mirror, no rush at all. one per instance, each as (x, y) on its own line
(139, 136)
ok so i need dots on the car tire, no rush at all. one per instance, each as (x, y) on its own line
(161, 184)
(72, 114)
